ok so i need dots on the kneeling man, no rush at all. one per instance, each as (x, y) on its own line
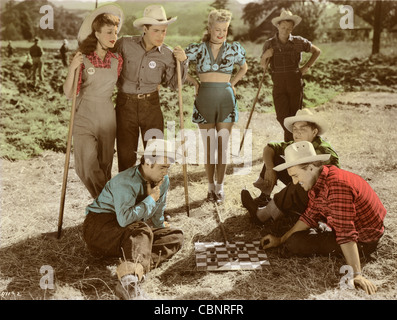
(342, 200)
(127, 218)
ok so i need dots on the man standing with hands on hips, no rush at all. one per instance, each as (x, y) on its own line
(284, 51)
(148, 62)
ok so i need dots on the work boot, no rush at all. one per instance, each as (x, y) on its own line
(250, 205)
(128, 267)
(130, 275)
(262, 200)
(129, 288)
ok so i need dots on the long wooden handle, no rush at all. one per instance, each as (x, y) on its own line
(253, 106)
(221, 223)
(181, 120)
(67, 157)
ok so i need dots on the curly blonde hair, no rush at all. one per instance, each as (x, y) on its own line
(221, 15)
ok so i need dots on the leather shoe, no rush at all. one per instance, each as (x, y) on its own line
(220, 197)
(211, 197)
(250, 205)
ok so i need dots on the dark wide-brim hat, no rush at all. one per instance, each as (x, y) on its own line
(86, 26)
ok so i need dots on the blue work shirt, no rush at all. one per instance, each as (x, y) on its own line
(126, 196)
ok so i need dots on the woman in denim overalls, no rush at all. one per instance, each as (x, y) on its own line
(94, 128)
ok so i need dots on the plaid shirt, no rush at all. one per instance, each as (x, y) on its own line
(347, 203)
(97, 62)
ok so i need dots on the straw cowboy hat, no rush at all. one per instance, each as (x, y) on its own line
(155, 15)
(299, 153)
(86, 26)
(158, 149)
(286, 15)
(306, 115)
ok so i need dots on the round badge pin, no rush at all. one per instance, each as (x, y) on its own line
(91, 71)
(152, 64)
(215, 67)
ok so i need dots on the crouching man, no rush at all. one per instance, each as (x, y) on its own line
(127, 219)
(342, 200)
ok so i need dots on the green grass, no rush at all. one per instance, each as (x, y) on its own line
(26, 111)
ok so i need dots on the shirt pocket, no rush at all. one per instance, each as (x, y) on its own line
(152, 72)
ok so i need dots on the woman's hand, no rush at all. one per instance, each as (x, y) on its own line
(76, 61)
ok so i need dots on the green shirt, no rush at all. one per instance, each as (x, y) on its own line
(321, 146)
(126, 196)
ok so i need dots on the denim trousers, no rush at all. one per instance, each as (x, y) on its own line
(287, 97)
(136, 116)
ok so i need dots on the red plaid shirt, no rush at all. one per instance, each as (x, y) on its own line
(99, 63)
(347, 203)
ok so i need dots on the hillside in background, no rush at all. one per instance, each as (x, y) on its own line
(21, 20)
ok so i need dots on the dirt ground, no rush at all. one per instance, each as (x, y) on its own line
(362, 131)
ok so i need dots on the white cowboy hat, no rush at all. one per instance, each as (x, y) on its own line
(299, 153)
(286, 15)
(306, 115)
(155, 15)
(86, 26)
(158, 149)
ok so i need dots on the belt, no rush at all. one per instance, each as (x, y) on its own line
(141, 96)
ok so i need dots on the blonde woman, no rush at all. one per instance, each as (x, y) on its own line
(215, 108)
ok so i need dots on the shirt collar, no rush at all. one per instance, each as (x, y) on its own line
(316, 142)
(108, 54)
(290, 38)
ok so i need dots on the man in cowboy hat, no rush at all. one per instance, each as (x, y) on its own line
(304, 126)
(127, 218)
(284, 51)
(342, 200)
(148, 62)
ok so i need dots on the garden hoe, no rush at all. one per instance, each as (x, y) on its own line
(184, 164)
(253, 106)
(57, 234)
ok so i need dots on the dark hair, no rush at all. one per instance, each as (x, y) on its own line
(312, 125)
(89, 44)
(304, 166)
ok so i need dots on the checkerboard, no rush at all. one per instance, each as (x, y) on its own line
(221, 256)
